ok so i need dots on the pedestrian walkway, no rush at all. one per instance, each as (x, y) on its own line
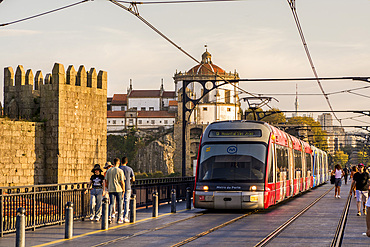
(315, 228)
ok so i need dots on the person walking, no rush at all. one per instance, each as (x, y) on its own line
(353, 171)
(97, 186)
(361, 181)
(115, 182)
(346, 171)
(338, 173)
(130, 178)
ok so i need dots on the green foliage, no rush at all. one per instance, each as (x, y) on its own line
(319, 135)
(119, 146)
(158, 174)
(363, 157)
(272, 116)
(340, 158)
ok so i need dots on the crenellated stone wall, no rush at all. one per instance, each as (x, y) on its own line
(72, 106)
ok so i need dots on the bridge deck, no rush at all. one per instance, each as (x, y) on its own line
(316, 227)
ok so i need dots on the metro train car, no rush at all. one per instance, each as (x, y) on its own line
(253, 165)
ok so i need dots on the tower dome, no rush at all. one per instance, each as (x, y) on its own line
(206, 67)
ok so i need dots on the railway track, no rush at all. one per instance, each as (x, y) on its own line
(263, 242)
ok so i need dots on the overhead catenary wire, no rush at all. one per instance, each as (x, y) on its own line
(133, 10)
(172, 2)
(44, 13)
(300, 31)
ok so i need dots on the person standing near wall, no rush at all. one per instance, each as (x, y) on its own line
(97, 186)
(130, 178)
(115, 182)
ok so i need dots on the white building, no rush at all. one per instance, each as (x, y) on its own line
(219, 104)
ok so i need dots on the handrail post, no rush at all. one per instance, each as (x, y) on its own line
(34, 208)
(155, 204)
(133, 208)
(188, 198)
(69, 221)
(60, 204)
(173, 201)
(1, 213)
(104, 218)
(20, 226)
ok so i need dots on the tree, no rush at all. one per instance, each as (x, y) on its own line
(319, 136)
(363, 157)
(340, 158)
(272, 116)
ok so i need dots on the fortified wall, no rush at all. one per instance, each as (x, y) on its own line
(70, 106)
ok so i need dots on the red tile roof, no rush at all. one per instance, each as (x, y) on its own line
(169, 94)
(155, 114)
(206, 69)
(119, 99)
(145, 94)
(173, 103)
(115, 114)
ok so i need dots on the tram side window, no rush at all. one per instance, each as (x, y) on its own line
(308, 165)
(298, 164)
(271, 165)
(282, 170)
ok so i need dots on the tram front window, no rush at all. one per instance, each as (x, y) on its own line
(248, 165)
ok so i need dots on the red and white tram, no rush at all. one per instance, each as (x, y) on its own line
(251, 164)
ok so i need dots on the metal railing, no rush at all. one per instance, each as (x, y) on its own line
(44, 204)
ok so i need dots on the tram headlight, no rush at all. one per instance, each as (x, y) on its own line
(205, 187)
(253, 188)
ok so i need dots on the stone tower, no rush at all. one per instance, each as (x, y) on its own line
(72, 106)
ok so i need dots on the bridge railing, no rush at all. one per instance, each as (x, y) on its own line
(44, 204)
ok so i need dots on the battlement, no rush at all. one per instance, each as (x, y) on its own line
(58, 75)
(23, 90)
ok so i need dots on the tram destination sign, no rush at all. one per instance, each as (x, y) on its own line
(235, 133)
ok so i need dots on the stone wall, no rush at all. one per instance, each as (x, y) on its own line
(72, 106)
(157, 156)
(22, 155)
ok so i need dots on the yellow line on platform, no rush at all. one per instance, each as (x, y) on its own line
(98, 231)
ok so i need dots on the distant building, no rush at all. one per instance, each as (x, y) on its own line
(142, 109)
(336, 135)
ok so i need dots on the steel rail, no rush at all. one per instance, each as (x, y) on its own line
(212, 230)
(147, 231)
(282, 227)
(339, 233)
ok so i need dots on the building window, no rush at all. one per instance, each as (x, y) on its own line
(228, 109)
(114, 121)
(135, 108)
(227, 96)
(131, 121)
(165, 121)
(108, 121)
(160, 121)
(122, 108)
(152, 121)
(204, 108)
(130, 115)
(121, 121)
(140, 121)
(143, 108)
(151, 108)
(147, 121)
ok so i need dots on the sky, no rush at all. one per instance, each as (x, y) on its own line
(257, 38)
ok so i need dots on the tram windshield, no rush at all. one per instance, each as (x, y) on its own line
(229, 163)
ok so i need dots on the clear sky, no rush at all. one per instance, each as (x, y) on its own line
(257, 38)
